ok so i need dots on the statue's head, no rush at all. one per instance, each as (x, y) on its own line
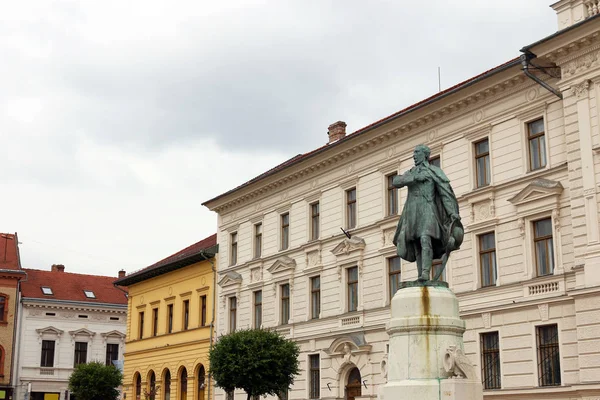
(421, 154)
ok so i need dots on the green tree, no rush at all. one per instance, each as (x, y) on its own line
(95, 381)
(256, 360)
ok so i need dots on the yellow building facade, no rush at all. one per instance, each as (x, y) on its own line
(170, 326)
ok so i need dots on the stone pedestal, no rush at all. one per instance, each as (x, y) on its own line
(425, 324)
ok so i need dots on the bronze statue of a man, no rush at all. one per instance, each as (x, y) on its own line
(429, 227)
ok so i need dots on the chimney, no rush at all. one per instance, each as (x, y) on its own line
(336, 131)
(58, 268)
(122, 273)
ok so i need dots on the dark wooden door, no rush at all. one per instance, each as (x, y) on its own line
(353, 388)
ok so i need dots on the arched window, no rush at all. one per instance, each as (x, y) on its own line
(3, 308)
(183, 381)
(167, 385)
(201, 382)
(137, 386)
(152, 385)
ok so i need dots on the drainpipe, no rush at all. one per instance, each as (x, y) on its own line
(526, 63)
(17, 326)
(212, 322)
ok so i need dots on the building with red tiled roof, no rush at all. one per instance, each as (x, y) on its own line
(520, 144)
(66, 319)
(171, 324)
(10, 275)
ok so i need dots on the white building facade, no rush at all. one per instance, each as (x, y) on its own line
(523, 162)
(60, 328)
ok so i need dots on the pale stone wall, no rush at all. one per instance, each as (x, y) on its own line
(38, 323)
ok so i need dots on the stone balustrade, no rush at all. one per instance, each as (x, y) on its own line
(592, 7)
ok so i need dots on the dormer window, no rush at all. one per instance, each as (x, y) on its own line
(47, 291)
(89, 294)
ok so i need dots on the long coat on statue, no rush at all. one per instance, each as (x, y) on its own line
(427, 211)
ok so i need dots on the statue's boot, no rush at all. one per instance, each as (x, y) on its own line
(426, 261)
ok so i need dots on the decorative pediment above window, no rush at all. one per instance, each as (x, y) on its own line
(49, 330)
(231, 278)
(113, 334)
(348, 246)
(82, 332)
(282, 264)
(348, 346)
(537, 190)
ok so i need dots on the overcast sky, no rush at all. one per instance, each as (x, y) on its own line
(119, 118)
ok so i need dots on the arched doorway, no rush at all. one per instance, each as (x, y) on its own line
(353, 385)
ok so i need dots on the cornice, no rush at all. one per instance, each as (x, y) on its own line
(101, 308)
(573, 50)
(460, 107)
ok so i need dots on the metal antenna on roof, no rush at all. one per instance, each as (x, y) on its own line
(439, 80)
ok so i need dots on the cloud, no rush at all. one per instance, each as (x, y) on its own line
(118, 119)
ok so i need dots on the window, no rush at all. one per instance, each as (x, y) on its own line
(315, 297)
(141, 325)
(183, 381)
(490, 360)
(233, 254)
(152, 385)
(258, 308)
(201, 382)
(352, 288)
(138, 386)
(315, 377)
(203, 310)
(80, 353)
(169, 318)
(351, 208)
(47, 353)
(186, 314)
(548, 355)
(487, 259)
(47, 291)
(282, 395)
(167, 383)
(3, 308)
(2, 354)
(482, 163)
(89, 294)
(435, 161)
(392, 195)
(232, 313)
(394, 271)
(537, 147)
(544, 247)
(257, 240)
(112, 353)
(285, 231)
(436, 268)
(315, 215)
(285, 303)
(154, 321)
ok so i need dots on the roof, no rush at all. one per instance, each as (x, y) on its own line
(560, 32)
(9, 252)
(438, 96)
(68, 286)
(199, 251)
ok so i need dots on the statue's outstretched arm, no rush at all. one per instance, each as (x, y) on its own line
(405, 179)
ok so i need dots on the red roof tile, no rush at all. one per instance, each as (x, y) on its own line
(69, 286)
(9, 252)
(300, 157)
(190, 251)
